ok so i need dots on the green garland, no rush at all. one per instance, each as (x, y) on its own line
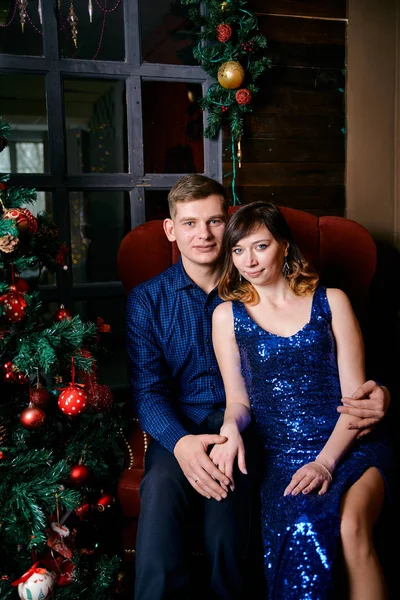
(228, 33)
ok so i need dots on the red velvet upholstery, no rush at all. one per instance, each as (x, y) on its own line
(342, 251)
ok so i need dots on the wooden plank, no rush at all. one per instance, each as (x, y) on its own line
(303, 78)
(281, 174)
(289, 150)
(306, 55)
(325, 198)
(304, 42)
(329, 9)
(293, 126)
(303, 31)
(291, 101)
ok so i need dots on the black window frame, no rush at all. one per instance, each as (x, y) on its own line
(133, 71)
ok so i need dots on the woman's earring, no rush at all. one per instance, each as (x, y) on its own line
(240, 278)
(285, 268)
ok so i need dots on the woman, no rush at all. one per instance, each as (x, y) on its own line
(288, 351)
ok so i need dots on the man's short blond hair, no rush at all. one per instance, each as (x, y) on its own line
(195, 187)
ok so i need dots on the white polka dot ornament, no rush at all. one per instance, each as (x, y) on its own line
(72, 401)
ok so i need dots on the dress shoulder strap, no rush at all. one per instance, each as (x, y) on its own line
(320, 306)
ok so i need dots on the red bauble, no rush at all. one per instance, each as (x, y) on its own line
(32, 417)
(224, 32)
(17, 215)
(243, 96)
(99, 397)
(24, 219)
(39, 396)
(10, 377)
(62, 313)
(79, 474)
(72, 401)
(14, 305)
(8, 366)
(22, 378)
(105, 501)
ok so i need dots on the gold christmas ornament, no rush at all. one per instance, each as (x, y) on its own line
(224, 6)
(231, 75)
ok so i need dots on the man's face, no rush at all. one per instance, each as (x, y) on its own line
(197, 228)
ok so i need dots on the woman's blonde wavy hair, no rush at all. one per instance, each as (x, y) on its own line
(302, 278)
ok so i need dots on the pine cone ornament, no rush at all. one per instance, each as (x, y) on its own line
(8, 243)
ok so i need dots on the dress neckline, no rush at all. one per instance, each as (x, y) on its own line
(286, 337)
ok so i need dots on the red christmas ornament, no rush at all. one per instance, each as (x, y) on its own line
(105, 501)
(224, 32)
(79, 474)
(2, 185)
(243, 96)
(39, 396)
(62, 313)
(32, 417)
(8, 366)
(22, 378)
(72, 401)
(14, 305)
(10, 377)
(24, 219)
(224, 108)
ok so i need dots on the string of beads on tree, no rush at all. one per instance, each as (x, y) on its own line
(231, 50)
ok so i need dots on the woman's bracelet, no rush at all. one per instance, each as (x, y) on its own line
(325, 469)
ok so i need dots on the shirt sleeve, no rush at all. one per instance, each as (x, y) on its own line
(149, 374)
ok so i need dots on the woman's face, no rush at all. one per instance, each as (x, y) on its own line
(259, 257)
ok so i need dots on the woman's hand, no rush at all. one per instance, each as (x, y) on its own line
(308, 478)
(224, 455)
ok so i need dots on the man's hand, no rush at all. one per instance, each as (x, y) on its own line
(370, 403)
(191, 453)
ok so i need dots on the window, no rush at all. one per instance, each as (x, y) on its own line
(104, 118)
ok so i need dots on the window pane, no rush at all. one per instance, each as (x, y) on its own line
(99, 221)
(172, 127)
(95, 115)
(23, 105)
(100, 36)
(20, 28)
(156, 204)
(112, 358)
(167, 36)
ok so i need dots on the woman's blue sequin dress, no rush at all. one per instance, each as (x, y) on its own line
(294, 390)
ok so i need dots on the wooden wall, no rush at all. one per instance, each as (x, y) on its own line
(294, 140)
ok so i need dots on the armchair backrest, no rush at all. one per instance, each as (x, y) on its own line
(342, 251)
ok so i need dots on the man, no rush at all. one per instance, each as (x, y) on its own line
(178, 397)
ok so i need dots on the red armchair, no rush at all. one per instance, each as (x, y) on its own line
(342, 251)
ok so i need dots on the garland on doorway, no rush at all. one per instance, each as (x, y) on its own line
(231, 50)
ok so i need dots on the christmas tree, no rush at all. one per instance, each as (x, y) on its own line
(59, 459)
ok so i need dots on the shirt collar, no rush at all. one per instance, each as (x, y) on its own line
(182, 279)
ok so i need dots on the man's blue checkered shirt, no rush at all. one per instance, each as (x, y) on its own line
(173, 368)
